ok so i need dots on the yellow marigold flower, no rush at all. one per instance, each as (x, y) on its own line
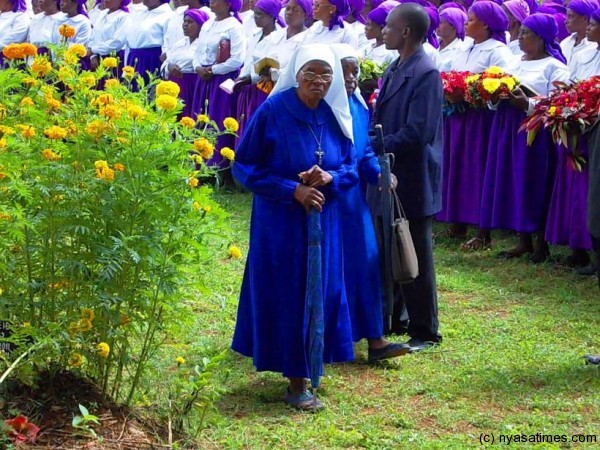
(6, 131)
(197, 159)
(55, 132)
(136, 112)
(227, 153)
(77, 50)
(187, 122)
(111, 83)
(29, 49)
(53, 104)
(207, 208)
(234, 252)
(204, 147)
(104, 99)
(166, 102)
(26, 101)
(88, 313)
(30, 81)
(196, 206)
(103, 350)
(110, 62)
(110, 111)
(123, 141)
(119, 167)
(552, 110)
(128, 72)
(64, 73)
(88, 79)
(50, 155)
(494, 70)
(66, 31)
(3, 144)
(472, 78)
(13, 51)
(41, 67)
(27, 131)
(105, 173)
(167, 88)
(491, 85)
(84, 325)
(76, 360)
(180, 360)
(193, 182)
(231, 124)
(203, 118)
(510, 82)
(96, 128)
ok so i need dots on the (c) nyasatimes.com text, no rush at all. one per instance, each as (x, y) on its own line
(507, 439)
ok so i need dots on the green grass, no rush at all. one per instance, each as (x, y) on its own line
(511, 362)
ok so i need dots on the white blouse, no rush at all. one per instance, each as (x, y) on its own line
(182, 54)
(174, 31)
(108, 36)
(586, 65)
(280, 48)
(210, 35)
(478, 57)
(433, 54)
(13, 27)
(539, 73)
(514, 48)
(379, 54)
(149, 27)
(43, 29)
(449, 53)
(319, 34)
(250, 28)
(83, 29)
(359, 31)
(94, 14)
(137, 8)
(571, 51)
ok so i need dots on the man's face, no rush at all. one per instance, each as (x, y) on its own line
(395, 31)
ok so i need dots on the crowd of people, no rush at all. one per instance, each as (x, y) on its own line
(290, 73)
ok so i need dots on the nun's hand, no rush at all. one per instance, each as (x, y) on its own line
(518, 99)
(309, 197)
(315, 177)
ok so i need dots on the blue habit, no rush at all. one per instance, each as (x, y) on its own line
(362, 269)
(272, 323)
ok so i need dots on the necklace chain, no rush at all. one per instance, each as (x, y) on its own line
(319, 153)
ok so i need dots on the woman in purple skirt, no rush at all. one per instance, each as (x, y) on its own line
(219, 56)
(467, 135)
(14, 23)
(145, 38)
(568, 208)
(77, 18)
(180, 59)
(109, 34)
(250, 95)
(518, 178)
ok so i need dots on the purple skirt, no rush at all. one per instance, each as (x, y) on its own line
(187, 84)
(145, 61)
(210, 99)
(567, 217)
(466, 141)
(518, 179)
(249, 99)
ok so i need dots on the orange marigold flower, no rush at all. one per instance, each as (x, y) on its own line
(119, 167)
(27, 131)
(66, 31)
(187, 122)
(55, 132)
(77, 50)
(13, 51)
(41, 67)
(50, 155)
(193, 182)
(29, 49)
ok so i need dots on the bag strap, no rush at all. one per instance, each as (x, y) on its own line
(398, 207)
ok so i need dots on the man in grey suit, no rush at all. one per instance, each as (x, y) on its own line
(409, 108)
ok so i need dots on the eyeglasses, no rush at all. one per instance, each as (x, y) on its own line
(311, 76)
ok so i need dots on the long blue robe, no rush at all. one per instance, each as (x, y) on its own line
(362, 269)
(271, 325)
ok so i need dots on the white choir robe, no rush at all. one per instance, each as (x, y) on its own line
(359, 31)
(174, 31)
(108, 36)
(95, 13)
(319, 34)
(13, 27)
(514, 48)
(478, 57)
(210, 35)
(571, 51)
(148, 28)
(43, 29)
(182, 55)
(433, 54)
(280, 48)
(378, 54)
(137, 8)
(250, 28)
(449, 53)
(83, 29)
(586, 65)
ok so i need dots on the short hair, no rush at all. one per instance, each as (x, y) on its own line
(416, 18)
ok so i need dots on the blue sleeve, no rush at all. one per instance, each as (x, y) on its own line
(251, 168)
(423, 117)
(368, 167)
(346, 176)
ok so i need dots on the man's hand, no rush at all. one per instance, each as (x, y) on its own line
(315, 177)
(393, 182)
(309, 197)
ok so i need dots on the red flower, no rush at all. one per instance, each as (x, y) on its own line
(21, 430)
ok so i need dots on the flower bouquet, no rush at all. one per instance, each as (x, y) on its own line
(492, 84)
(455, 87)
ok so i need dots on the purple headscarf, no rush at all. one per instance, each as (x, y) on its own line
(533, 6)
(544, 26)
(434, 23)
(518, 8)
(457, 19)
(447, 5)
(559, 12)
(379, 14)
(234, 7)
(376, 3)
(342, 9)
(467, 3)
(272, 8)
(583, 7)
(307, 7)
(197, 15)
(19, 6)
(125, 5)
(596, 16)
(497, 2)
(494, 17)
(356, 7)
(81, 7)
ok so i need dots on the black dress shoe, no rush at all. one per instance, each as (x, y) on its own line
(389, 351)
(416, 345)
(592, 359)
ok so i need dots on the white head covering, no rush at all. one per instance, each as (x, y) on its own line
(343, 51)
(336, 97)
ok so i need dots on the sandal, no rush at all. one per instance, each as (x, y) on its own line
(475, 244)
(304, 401)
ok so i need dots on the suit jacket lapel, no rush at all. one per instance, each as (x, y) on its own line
(398, 76)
